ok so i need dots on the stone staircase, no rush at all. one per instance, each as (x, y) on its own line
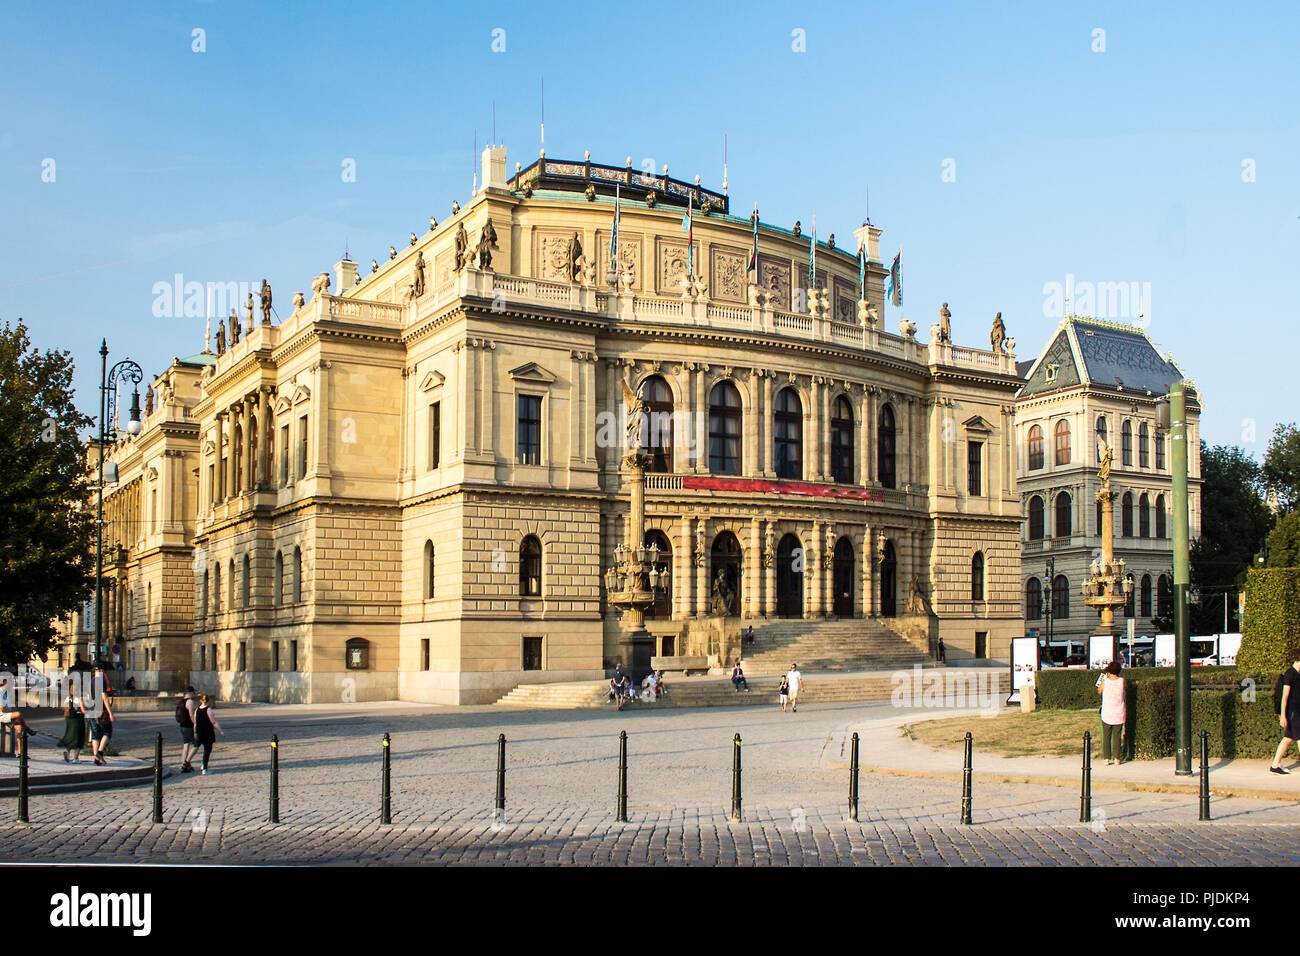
(852, 644)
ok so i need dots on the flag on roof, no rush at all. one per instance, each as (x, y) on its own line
(753, 252)
(896, 280)
(688, 227)
(613, 236)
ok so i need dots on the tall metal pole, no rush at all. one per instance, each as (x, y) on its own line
(1182, 648)
(99, 512)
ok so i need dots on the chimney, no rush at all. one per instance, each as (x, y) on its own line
(494, 167)
(871, 234)
(345, 276)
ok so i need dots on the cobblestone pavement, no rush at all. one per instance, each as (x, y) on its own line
(560, 793)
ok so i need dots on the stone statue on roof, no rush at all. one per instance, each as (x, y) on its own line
(249, 308)
(945, 324)
(417, 285)
(573, 264)
(999, 333)
(486, 241)
(235, 328)
(266, 302)
(148, 400)
(462, 247)
(221, 336)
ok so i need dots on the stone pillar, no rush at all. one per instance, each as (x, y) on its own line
(812, 572)
(702, 571)
(265, 429)
(769, 576)
(701, 463)
(765, 428)
(230, 455)
(751, 428)
(868, 552)
(912, 430)
(319, 464)
(466, 402)
(824, 431)
(827, 545)
(812, 446)
(753, 571)
(487, 437)
(683, 568)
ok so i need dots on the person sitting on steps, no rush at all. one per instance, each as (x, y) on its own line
(738, 678)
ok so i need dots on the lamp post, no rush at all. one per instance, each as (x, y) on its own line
(108, 383)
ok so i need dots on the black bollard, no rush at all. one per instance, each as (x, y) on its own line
(735, 780)
(386, 794)
(501, 778)
(157, 779)
(965, 784)
(275, 778)
(1205, 775)
(22, 777)
(1085, 795)
(853, 778)
(622, 777)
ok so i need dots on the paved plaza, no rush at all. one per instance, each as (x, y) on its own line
(560, 798)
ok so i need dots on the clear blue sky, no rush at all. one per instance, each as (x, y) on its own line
(1124, 165)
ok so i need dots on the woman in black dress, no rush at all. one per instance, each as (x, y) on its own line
(206, 728)
(74, 728)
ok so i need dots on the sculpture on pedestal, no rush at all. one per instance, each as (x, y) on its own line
(573, 258)
(999, 333)
(462, 248)
(417, 286)
(235, 328)
(221, 336)
(266, 302)
(945, 324)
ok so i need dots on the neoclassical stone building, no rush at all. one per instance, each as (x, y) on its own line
(411, 487)
(1094, 381)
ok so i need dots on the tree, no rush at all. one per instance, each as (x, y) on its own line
(1284, 542)
(1282, 465)
(1234, 524)
(46, 533)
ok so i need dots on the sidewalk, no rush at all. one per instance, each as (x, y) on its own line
(883, 749)
(48, 773)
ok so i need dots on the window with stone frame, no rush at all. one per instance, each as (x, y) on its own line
(787, 435)
(1036, 460)
(974, 468)
(528, 433)
(842, 441)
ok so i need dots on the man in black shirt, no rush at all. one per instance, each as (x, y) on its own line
(1288, 714)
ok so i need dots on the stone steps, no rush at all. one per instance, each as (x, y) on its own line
(832, 645)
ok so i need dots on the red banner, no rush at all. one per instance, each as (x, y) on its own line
(763, 486)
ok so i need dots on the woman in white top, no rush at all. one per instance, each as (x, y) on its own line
(1113, 713)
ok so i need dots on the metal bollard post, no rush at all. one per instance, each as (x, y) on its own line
(735, 780)
(157, 780)
(1085, 795)
(622, 777)
(386, 796)
(275, 778)
(501, 778)
(966, 784)
(853, 778)
(22, 778)
(1205, 775)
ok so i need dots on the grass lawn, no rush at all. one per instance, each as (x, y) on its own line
(1044, 733)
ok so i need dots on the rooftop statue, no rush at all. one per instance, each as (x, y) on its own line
(462, 247)
(417, 286)
(999, 333)
(945, 324)
(235, 328)
(374, 265)
(266, 302)
(487, 240)
(573, 266)
(249, 308)
(321, 284)
(798, 229)
(221, 335)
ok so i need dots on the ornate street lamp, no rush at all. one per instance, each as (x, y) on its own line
(109, 380)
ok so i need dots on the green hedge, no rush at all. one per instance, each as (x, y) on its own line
(1238, 728)
(1061, 688)
(1272, 626)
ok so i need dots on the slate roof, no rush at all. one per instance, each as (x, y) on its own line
(1100, 354)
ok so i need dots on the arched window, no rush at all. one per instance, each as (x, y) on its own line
(1063, 515)
(530, 567)
(724, 429)
(428, 571)
(1126, 442)
(1164, 596)
(1062, 442)
(279, 578)
(842, 577)
(787, 435)
(1033, 600)
(1144, 516)
(1144, 460)
(1101, 434)
(657, 429)
(889, 582)
(297, 575)
(1160, 452)
(789, 576)
(1146, 595)
(1060, 597)
(1130, 602)
(1126, 514)
(1161, 530)
(246, 587)
(885, 447)
(663, 603)
(1035, 447)
(842, 441)
(1036, 518)
(977, 576)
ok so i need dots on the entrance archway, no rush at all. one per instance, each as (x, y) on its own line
(889, 582)
(724, 575)
(662, 608)
(789, 577)
(842, 578)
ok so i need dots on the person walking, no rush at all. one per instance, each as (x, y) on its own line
(1288, 712)
(796, 685)
(1113, 713)
(185, 711)
(101, 727)
(943, 652)
(74, 728)
(206, 728)
(783, 692)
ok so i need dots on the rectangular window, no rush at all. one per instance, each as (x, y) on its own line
(284, 455)
(974, 467)
(243, 655)
(424, 654)
(275, 655)
(214, 656)
(153, 511)
(227, 657)
(532, 653)
(293, 655)
(212, 486)
(435, 434)
(302, 447)
(203, 658)
(981, 644)
(529, 436)
(221, 480)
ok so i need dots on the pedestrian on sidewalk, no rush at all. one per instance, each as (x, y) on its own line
(784, 692)
(74, 728)
(942, 655)
(1113, 713)
(1288, 711)
(206, 728)
(796, 685)
(101, 727)
(185, 711)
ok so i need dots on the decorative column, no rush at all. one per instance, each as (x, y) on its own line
(466, 403)
(769, 570)
(320, 394)
(702, 567)
(753, 571)
(812, 572)
(765, 426)
(265, 429)
(828, 576)
(683, 566)
(701, 462)
(868, 552)
(230, 454)
(487, 439)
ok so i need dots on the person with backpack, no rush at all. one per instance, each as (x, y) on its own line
(74, 727)
(1286, 697)
(185, 711)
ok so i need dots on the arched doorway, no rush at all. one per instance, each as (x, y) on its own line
(662, 608)
(724, 575)
(789, 577)
(842, 578)
(889, 582)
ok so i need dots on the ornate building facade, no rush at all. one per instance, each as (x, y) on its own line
(1098, 381)
(411, 487)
